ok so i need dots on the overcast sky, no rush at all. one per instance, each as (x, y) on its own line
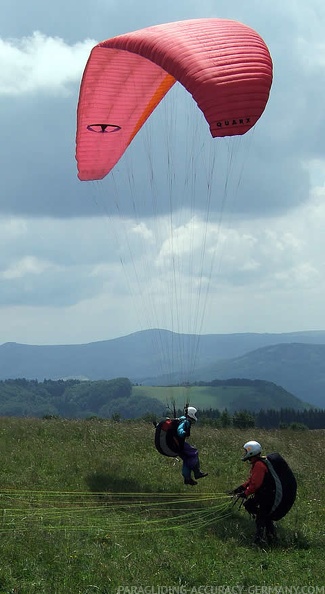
(88, 261)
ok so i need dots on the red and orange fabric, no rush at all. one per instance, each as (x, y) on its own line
(225, 65)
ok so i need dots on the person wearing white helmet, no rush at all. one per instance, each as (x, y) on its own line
(258, 491)
(188, 453)
(269, 492)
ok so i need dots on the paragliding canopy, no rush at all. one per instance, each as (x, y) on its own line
(224, 64)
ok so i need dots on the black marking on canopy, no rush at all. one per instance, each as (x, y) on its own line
(103, 128)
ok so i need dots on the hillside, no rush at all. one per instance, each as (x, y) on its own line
(295, 361)
(299, 368)
(111, 398)
(137, 356)
(232, 395)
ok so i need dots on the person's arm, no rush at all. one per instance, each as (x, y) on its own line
(183, 429)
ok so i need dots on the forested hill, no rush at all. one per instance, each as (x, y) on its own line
(299, 368)
(73, 399)
(105, 399)
(296, 361)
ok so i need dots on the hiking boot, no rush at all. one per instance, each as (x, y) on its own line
(189, 481)
(259, 541)
(271, 534)
(197, 471)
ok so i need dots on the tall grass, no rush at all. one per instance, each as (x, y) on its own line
(90, 506)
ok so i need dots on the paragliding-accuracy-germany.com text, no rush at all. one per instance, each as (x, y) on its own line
(217, 589)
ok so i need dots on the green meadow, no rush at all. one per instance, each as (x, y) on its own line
(91, 507)
(231, 396)
(207, 396)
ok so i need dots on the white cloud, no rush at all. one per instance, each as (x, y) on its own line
(142, 230)
(40, 64)
(259, 267)
(28, 265)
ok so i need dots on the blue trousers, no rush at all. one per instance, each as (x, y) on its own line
(190, 457)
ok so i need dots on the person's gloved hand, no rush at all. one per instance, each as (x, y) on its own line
(241, 495)
(238, 492)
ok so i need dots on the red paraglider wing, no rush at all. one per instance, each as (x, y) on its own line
(225, 65)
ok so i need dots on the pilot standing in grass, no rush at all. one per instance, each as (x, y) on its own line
(188, 453)
(269, 492)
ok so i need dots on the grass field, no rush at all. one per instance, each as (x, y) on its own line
(231, 397)
(91, 507)
(209, 397)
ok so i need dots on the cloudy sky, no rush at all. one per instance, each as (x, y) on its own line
(88, 261)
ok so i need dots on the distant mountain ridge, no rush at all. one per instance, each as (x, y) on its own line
(296, 360)
(297, 367)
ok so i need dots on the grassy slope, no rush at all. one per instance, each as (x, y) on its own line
(221, 397)
(207, 396)
(58, 536)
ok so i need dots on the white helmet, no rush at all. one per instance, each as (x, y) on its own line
(252, 448)
(191, 413)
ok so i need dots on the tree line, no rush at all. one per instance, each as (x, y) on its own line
(266, 419)
(72, 399)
